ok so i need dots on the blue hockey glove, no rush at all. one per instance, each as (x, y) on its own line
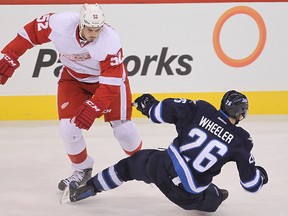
(144, 103)
(263, 174)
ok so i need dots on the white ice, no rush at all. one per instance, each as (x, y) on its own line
(32, 161)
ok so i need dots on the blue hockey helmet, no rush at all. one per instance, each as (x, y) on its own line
(234, 104)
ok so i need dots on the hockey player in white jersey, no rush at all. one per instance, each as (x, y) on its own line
(93, 81)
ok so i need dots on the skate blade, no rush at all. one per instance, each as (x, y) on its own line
(65, 198)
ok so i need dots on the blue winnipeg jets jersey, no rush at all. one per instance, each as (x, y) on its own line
(206, 141)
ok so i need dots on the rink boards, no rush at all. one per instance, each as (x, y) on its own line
(193, 50)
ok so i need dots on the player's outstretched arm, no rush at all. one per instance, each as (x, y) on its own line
(12, 51)
(8, 64)
(144, 103)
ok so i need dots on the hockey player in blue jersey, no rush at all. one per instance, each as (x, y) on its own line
(207, 139)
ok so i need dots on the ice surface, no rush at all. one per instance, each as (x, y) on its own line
(32, 161)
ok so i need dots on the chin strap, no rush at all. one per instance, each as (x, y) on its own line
(81, 38)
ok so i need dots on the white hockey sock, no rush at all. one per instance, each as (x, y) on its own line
(127, 135)
(75, 145)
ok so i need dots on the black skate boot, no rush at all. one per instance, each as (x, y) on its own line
(225, 194)
(81, 177)
(77, 192)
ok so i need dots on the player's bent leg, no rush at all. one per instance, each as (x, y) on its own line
(213, 197)
(127, 169)
(207, 201)
(126, 133)
(130, 168)
(135, 166)
(75, 145)
(75, 148)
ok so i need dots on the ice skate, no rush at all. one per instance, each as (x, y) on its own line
(74, 193)
(81, 177)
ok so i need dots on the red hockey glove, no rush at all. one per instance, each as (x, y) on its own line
(7, 67)
(86, 115)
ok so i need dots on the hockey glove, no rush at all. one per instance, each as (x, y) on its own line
(144, 103)
(8, 65)
(86, 115)
(263, 174)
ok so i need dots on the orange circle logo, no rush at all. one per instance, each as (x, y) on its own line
(262, 36)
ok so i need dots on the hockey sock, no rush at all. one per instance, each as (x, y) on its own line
(75, 145)
(105, 180)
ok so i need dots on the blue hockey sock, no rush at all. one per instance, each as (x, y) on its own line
(105, 180)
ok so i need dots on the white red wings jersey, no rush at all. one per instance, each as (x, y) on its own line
(98, 61)
(86, 62)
